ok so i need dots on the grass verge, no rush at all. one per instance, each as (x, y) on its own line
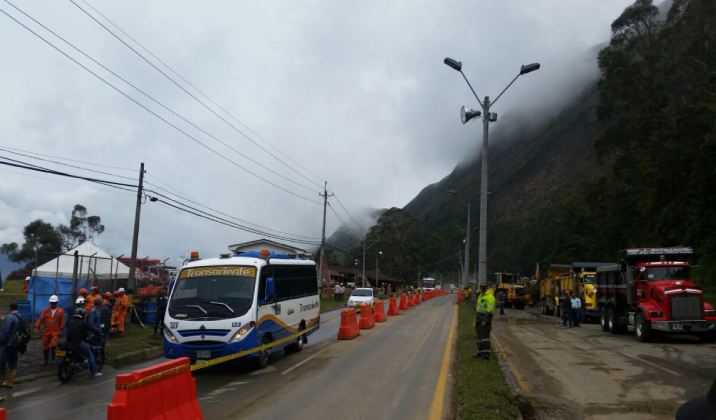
(482, 392)
(135, 338)
(13, 292)
(328, 304)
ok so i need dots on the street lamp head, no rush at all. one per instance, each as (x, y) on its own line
(453, 63)
(467, 114)
(452, 191)
(529, 68)
(380, 252)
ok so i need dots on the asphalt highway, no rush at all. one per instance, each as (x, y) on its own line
(390, 371)
(587, 373)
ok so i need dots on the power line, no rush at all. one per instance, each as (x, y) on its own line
(68, 159)
(186, 91)
(66, 183)
(154, 113)
(348, 213)
(156, 101)
(350, 231)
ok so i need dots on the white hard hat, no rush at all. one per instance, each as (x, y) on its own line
(80, 301)
(54, 299)
(121, 290)
(27, 278)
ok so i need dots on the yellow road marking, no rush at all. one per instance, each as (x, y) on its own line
(436, 408)
(524, 386)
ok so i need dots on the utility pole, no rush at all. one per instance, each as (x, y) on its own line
(482, 257)
(135, 238)
(325, 196)
(467, 246)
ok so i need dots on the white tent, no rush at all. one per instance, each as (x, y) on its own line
(93, 263)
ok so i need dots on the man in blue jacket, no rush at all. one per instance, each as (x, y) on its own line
(8, 340)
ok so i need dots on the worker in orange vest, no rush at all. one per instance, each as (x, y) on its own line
(90, 299)
(123, 305)
(53, 320)
(115, 313)
(26, 286)
(107, 297)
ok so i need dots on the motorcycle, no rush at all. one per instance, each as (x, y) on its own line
(73, 361)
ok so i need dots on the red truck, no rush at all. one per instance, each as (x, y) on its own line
(651, 290)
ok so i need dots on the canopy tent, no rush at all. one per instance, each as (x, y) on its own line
(94, 267)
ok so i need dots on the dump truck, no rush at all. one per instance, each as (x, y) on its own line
(558, 280)
(510, 285)
(584, 281)
(651, 290)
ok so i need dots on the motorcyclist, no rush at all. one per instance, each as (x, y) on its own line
(77, 329)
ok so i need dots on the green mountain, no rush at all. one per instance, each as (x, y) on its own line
(628, 162)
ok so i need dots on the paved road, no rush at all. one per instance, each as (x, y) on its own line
(394, 366)
(587, 373)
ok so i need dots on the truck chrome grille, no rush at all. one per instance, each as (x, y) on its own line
(685, 306)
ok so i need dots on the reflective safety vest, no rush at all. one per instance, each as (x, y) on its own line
(485, 305)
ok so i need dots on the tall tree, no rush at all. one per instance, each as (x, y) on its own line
(82, 228)
(39, 236)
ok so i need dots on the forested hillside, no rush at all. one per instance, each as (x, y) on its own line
(629, 163)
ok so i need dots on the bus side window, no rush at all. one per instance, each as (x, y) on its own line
(282, 279)
(298, 288)
(309, 280)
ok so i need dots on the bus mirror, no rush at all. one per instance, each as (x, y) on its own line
(269, 289)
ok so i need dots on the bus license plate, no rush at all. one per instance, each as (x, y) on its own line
(677, 327)
(203, 354)
(60, 353)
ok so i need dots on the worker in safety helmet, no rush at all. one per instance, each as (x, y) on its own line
(107, 297)
(122, 306)
(26, 286)
(484, 311)
(52, 319)
(89, 300)
(83, 294)
(77, 329)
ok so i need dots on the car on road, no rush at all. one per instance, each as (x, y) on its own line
(361, 296)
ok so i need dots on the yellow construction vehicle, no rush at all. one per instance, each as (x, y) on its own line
(584, 279)
(558, 280)
(510, 285)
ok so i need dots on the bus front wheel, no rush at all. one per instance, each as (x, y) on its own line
(264, 355)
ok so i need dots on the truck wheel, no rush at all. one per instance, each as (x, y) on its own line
(643, 329)
(709, 337)
(603, 319)
(613, 321)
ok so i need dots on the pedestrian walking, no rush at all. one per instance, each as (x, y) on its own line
(52, 320)
(575, 309)
(9, 342)
(484, 311)
(565, 306)
(161, 311)
(501, 301)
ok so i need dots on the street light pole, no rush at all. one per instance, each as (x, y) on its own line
(376, 269)
(466, 266)
(487, 117)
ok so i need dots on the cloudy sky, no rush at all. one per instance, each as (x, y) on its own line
(354, 92)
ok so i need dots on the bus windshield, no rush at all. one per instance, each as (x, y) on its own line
(213, 292)
(430, 284)
(667, 273)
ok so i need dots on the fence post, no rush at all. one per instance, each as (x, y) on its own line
(74, 278)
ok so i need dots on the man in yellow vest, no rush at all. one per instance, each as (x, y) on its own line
(483, 321)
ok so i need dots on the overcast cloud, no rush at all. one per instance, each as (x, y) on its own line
(354, 91)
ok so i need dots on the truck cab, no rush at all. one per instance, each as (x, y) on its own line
(651, 290)
(509, 284)
(584, 281)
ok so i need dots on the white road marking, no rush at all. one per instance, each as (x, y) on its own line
(302, 362)
(649, 363)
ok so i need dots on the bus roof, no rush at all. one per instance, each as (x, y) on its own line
(249, 258)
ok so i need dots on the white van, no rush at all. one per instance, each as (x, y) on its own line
(222, 306)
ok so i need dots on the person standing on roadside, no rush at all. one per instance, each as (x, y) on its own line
(337, 292)
(105, 319)
(582, 308)
(123, 305)
(52, 320)
(342, 295)
(575, 310)
(565, 306)
(161, 310)
(8, 341)
(501, 301)
(484, 311)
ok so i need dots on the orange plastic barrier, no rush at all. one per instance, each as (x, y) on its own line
(165, 391)
(411, 301)
(403, 303)
(417, 299)
(459, 297)
(379, 314)
(366, 317)
(2, 414)
(349, 325)
(393, 308)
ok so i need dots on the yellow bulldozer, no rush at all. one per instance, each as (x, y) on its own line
(511, 285)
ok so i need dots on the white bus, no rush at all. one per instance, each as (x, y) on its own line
(222, 306)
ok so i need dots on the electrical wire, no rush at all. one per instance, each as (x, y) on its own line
(350, 231)
(69, 160)
(158, 102)
(186, 91)
(154, 113)
(67, 183)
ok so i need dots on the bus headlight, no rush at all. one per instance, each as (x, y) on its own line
(169, 335)
(241, 333)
